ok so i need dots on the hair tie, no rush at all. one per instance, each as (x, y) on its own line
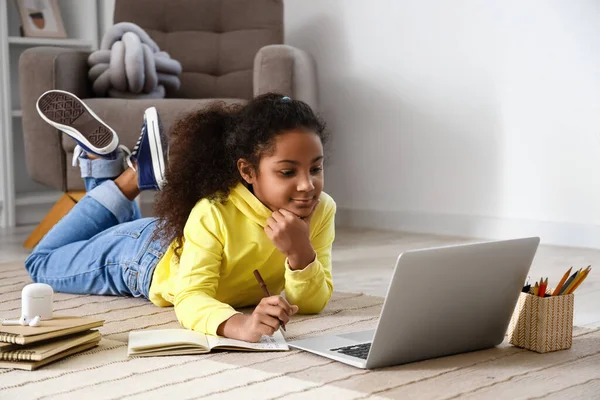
(286, 99)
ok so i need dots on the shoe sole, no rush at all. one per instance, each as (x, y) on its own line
(66, 112)
(156, 148)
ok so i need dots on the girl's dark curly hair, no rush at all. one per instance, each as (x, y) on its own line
(206, 144)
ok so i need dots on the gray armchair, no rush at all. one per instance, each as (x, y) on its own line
(229, 49)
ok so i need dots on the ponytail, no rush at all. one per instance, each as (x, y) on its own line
(199, 166)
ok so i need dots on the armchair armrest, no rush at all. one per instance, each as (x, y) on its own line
(287, 70)
(42, 69)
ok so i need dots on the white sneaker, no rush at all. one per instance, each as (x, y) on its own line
(67, 113)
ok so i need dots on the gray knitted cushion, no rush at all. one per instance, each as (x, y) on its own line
(129, 64)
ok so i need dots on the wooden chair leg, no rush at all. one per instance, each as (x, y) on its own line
(59, 210)
(76, 196)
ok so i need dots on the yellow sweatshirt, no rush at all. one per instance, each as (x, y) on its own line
(223, 245)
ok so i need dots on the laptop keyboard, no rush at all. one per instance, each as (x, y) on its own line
(359, 350)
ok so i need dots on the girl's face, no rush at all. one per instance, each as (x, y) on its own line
(291, 175)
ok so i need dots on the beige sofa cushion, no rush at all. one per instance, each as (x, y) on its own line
(214, 40)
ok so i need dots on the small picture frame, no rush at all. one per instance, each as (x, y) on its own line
(41, 18)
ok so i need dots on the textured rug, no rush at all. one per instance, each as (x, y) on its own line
(106, 372)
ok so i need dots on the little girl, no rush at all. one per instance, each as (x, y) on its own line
(242, 191)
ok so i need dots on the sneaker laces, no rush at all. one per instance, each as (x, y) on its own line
(138, 143)
(133, 154)
(130, 154)
(76, 153)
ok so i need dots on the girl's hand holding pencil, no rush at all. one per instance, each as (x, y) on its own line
(267, 317)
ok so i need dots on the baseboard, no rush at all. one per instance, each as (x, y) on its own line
(554, 233)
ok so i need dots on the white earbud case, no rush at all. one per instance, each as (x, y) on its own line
(37, 299)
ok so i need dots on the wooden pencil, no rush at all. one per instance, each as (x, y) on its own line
(583, 276)
(263, 285)
(562, 282)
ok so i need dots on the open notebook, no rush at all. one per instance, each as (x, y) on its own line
(170, 342)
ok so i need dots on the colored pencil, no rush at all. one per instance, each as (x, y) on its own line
(562, 282)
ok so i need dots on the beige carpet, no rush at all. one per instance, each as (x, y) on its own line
(106, 373)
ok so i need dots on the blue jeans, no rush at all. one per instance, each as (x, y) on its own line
(102, 246)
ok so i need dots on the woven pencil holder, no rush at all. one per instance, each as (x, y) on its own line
(542, 324)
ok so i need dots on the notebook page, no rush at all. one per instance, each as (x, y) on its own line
(166, 338)
(273, 343)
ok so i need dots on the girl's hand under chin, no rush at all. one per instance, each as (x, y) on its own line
(291, 235)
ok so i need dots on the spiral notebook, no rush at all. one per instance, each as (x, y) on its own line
(32, 365)
(43, 350)
(59, 325)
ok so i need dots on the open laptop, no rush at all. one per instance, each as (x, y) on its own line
(441, 301)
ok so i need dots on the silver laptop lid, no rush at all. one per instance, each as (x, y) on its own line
(450, 300)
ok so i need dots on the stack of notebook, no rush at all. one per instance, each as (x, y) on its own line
(28, 348)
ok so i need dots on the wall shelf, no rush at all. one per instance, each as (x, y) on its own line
(23, 200)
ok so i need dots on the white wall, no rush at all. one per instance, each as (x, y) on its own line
(471, 118)
(466, 117)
